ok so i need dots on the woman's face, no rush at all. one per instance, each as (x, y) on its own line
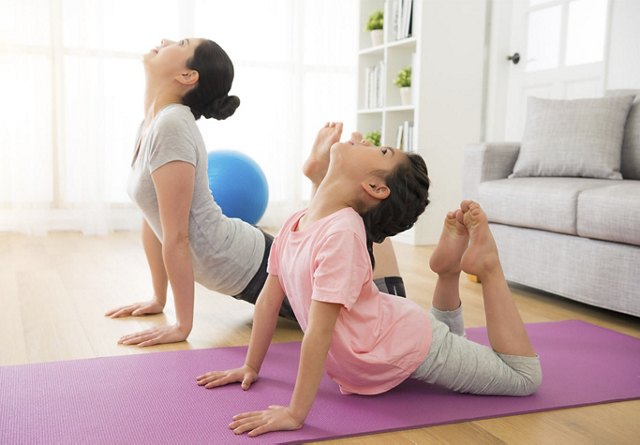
(170, 58)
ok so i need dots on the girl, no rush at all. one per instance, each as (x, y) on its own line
(367, 341)
(186, 237)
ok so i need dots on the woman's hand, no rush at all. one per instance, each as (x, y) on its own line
(356, 137)
(244, 375)
(156, 336)
(276, 418)
(137, 309)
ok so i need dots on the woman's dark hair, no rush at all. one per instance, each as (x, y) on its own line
(409, 185)
(210, 96)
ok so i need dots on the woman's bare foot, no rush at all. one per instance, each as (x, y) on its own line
(481, 257)
(452, 245)
(315, 167)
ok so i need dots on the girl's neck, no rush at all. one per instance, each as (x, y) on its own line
(328, 199)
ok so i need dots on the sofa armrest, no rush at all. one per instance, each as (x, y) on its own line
(487, 162)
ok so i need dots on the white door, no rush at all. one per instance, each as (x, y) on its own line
(557, 52)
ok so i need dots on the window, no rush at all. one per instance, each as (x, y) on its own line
(72, 93)
(565, 33)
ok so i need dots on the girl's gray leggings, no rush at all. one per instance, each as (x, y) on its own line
(465, 366)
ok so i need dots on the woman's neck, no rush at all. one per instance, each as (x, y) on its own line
(155, 99)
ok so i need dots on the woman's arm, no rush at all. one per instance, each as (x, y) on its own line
(174, 183)
(153, 251)
(264, 325)
(313, 355)
(265, 318)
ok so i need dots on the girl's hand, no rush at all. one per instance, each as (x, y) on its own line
(156, 336)
(276, 418)
(136, 309)
(245, 375)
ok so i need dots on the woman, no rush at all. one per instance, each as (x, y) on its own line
(369, 342)
(186, 237)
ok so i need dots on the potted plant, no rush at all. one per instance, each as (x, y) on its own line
(403, 80)
(374, 26)
(373, 137)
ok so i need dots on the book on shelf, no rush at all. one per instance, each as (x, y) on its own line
(400, 13)
(404, 137)
(374, 86)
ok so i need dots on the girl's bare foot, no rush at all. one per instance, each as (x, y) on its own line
(315, 167)
(452, 245)
(481, 257)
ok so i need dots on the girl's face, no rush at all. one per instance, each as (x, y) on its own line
(170, 58)
(365, 158)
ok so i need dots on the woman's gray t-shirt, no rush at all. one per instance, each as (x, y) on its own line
(226, 252)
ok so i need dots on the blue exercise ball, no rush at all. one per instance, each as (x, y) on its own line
(238, 185)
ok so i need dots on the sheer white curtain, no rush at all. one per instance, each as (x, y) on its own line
(71, 86)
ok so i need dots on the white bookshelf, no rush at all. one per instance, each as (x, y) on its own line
(446, 51)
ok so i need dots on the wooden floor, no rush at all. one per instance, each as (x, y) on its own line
(55, 289)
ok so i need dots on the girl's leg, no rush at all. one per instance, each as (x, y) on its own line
(505, 328)
(445, 261)
(459, 364)
(511, 367)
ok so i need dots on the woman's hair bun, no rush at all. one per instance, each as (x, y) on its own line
(222, 107)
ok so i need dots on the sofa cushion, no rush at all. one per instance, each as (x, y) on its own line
(538, 203)
(581, 137)
(630, 164)
(611, 213)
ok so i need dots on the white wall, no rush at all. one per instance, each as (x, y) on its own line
(623, 68)
(450, 113)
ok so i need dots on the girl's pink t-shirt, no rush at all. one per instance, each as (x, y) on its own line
(379, 339)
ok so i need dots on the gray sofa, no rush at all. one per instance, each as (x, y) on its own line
(578, 234)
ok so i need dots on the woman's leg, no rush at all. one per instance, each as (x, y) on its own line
(386, 262)
(386, 274)
(251, 292)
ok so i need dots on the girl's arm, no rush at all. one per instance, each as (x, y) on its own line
(264, 325)
(174, 184)
(313, 355)
(153, 251)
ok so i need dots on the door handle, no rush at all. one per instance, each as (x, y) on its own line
(515, 58)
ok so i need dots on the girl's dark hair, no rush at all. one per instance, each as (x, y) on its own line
(409, 185)
(210, 96)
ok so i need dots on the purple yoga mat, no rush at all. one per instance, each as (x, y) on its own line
(152, 398)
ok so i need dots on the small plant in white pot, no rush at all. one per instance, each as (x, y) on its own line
(403, 80)
(375, 26)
